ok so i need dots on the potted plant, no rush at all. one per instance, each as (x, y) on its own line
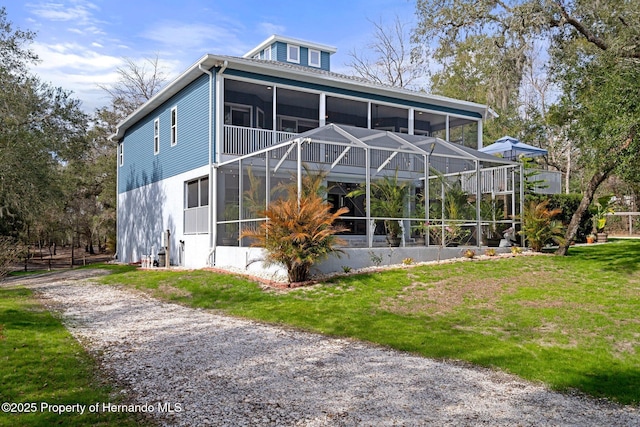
(389, 198)
(599, 218)
(492, 212)
(591, 238)
(230, 236)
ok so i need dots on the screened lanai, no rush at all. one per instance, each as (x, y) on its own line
(400, 189)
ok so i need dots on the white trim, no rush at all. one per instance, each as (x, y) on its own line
(290, 58)
(289, 40)
(174, 125)
(238, 107)
(309, 55)
(121, 154)
(274, 70)
(297, 120)
(259, 124)
(156, 135)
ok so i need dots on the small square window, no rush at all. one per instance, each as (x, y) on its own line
(293, 53)
(314, 58)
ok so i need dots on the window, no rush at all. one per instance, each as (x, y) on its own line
(293, 53)
(156, 136)
(296, 125)
(121, 154)
(314, 58)
(174, 125)
(196, 202)
(267, 53)
(238, 115)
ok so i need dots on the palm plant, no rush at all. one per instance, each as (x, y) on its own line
(389, 199)
(539, 227)
(299, 232)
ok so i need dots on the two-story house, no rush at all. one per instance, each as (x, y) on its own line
(205, 155)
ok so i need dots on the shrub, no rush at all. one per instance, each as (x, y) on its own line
(568, 203)
(407, 261)
(375, 258)
(539, 225)
(490, 252)
(298, 234)
(469, 253)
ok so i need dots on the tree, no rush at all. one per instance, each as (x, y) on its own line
(390, 61)
(41, 129)
(137, 83)
(593, 58)
(93, 200)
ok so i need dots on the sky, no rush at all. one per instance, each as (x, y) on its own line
(81, 43)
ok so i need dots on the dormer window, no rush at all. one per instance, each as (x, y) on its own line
(314, 58)
(293, 53)
(267, 54)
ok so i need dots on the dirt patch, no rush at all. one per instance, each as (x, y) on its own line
(444, 296)
(174, 291)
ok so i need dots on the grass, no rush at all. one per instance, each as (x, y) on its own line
(41, 362)
(570, 322)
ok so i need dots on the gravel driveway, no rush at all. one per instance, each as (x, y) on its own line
(217, 370)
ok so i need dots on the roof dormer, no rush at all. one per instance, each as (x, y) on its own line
(293, 51)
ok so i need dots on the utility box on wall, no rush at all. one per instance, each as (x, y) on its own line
(166, 249)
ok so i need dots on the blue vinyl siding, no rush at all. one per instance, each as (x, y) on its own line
(280, 54)
(325, 61)
(141, 166)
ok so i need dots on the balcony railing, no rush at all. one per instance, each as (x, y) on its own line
(240, 140)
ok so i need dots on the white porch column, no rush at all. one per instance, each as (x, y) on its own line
(446, 123)
(480, 145)
(322, 119)
(274, 119)
(411, 122)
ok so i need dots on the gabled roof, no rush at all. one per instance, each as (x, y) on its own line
(280, 70)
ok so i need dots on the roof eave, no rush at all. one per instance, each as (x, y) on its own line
(483, 110)
(194, 71)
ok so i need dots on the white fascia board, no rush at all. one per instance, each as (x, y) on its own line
(179, 83)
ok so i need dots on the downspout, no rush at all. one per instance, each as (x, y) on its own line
(118, 166)
(212, 176)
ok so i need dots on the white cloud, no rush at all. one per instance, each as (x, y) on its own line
(79, 11)
(95, 44)
(269, 29)
(73, 55)
(196, 38)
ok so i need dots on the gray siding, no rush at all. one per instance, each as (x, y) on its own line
(141, 166)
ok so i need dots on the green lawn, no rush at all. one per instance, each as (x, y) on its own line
(571, 322)
(41, 363)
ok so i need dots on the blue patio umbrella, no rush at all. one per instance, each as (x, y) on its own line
(511, 148)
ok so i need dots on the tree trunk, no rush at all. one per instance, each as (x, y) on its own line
(587, 198)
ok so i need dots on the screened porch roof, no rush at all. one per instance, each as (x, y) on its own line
(351, 136)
